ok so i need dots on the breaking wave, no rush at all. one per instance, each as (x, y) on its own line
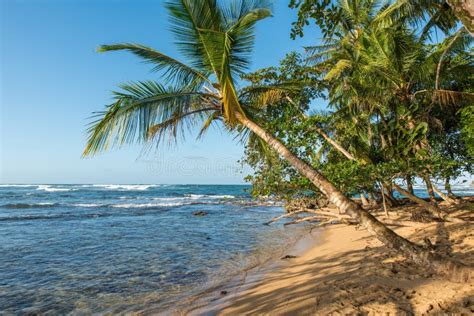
(152, 205)
(206, 196)
(49, 188)
(124, 187)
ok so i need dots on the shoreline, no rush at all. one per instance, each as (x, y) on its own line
(212, 299)
(345, 270)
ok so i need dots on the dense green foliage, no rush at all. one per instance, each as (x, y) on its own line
(326, 14)
(401, 104)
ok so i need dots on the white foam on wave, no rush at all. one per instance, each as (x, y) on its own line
(206, 196)
(126, 187)
(48, 188)
(88, 205)
(169, 198)
(149, 205)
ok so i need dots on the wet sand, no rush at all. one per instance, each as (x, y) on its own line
(346, 270)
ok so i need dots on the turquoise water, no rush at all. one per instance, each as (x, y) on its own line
(123, 248)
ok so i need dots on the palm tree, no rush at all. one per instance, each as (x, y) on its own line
(217, 41)
(388, 76)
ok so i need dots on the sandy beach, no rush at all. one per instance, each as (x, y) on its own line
(347, 271)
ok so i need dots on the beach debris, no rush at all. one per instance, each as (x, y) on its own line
(200, 213)
(307, 203)
(422, 216)
(288, 257)
(326, 215)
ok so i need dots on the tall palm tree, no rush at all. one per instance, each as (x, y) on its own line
(217, 41)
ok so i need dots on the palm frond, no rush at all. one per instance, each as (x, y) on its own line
(257, 97)
(449, 97)
(173, 69)
(158, 131)
(211, 118)
(433, 12)
(287, 86)
(241, 32)
(218, 39)
(338, 69)
(188, 18)
(142, 107)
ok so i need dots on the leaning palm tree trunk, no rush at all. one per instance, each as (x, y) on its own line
(429, 188)
(447, 187)
(433, 209)
(341, 149)
(445, 197)
(345, 205)
(409, 184)
(387, 191)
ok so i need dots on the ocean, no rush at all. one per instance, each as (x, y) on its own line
(83, 249)
(124, 248)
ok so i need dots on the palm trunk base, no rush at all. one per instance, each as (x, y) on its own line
(453, 270)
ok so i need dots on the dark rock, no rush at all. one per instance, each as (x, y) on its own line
(288, 257)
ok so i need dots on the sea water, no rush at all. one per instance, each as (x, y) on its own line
(124, 248)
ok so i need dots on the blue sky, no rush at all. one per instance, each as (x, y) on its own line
(52, 79)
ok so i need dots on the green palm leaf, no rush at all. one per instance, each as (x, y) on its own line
(138, 112)
(173, 69)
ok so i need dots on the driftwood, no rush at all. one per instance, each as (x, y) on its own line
(284, 216)
(305, 219)
(445, 197)
(331, 221)
(325, 221)
(326, 215)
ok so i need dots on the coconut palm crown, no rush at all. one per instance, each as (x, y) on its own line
(217, 41)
